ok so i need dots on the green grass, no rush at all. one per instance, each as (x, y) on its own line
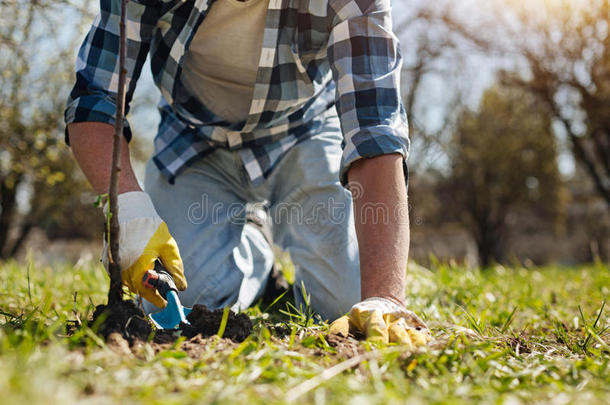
(502, 336)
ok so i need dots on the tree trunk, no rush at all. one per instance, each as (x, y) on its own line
(588, 163)
(23, 234)
(488, 238)
(485, 256)
(8, 201)
(483, 246)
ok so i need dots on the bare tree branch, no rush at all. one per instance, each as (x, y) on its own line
(115, 293)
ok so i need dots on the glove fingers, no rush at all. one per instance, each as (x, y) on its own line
(384, 322)
(417, 330)
(152, 295)
(170, 257)
(340, 326)
(414, 321)
(398, 334)
(375, 327)
(419, 337)
(149, 294)
(132, 277)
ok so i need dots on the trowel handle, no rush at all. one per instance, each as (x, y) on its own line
(160, 279)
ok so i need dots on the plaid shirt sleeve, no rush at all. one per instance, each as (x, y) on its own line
(93, 97)
(365, 59)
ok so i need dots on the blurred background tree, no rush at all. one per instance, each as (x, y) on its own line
(39, 183)
(503, 161)
(556, 52)
(566, 50)
(508, 112)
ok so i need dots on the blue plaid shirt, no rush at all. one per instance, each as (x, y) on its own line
(317, 55)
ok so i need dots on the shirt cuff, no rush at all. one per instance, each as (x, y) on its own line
(93, 108)
(366, 145)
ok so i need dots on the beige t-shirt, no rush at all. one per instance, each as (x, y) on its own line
(221, 64)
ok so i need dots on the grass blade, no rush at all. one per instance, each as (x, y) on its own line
(275, 301)
(509, 320)
(223, 322)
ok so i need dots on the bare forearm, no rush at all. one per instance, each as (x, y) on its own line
(92, 146)
(382, 225)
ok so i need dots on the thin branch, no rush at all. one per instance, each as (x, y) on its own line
(115, 292)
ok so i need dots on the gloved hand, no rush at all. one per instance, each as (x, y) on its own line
(143, 238)
(383, 321)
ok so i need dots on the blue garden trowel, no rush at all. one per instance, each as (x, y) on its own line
(174, 312)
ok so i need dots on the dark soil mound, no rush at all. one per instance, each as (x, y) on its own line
(206, 322)
(124, 318)
(163, 336)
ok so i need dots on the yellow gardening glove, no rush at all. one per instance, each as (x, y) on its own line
(144, 238)
(383, 321)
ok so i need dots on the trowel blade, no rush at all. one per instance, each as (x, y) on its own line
(171, 316)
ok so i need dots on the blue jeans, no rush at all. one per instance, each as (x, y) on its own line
(227, 261)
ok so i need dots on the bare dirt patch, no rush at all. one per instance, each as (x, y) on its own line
(345, 346)
(206, 323)
(123, 318)
(124, 324)
(197, 346)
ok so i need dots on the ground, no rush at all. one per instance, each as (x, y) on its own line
(505, 335)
